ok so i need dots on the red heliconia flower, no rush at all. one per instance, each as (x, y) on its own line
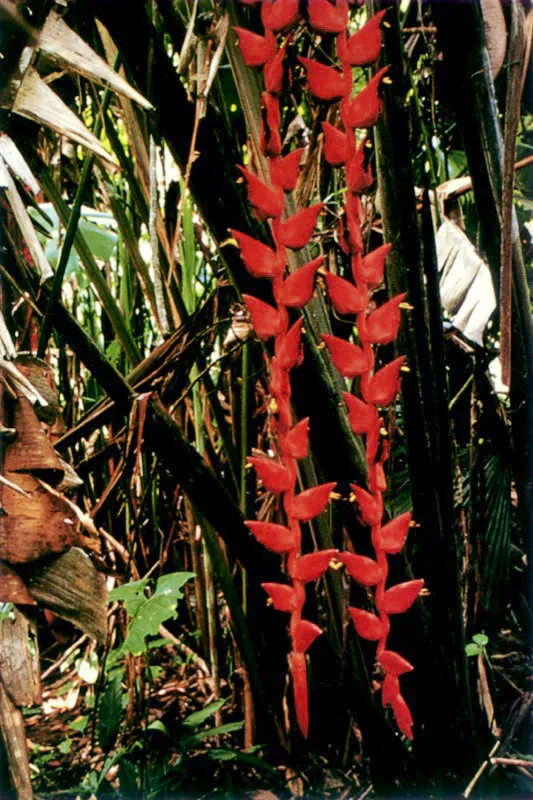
(288, 351)
(359, 177)
(255, 49)
(270, 138)
(394, 663)
(298, 668)
(285, 598)
(370, 268)
(304, 634)
(381, 388)
(381, 327)
(259, 259)
(279, 380)
(312, 566)
(296, 230)
(325, 17)
(367, 625)
(363, 47)
(295, 443)
(361, 416)
(325, 82)
(377, 481)
(390, 689)
(296, 290)
(311, 502)
(273, 72)
(347, 298)
(349, 359)
(343, 244)
(364, 570)
(394, 533)
(266, 320)
(370, 509)
(399, 598)
(338, 146)
(372, 441)
(353, 224)
(266, 201)
(284, 171)
(274, 537)
(275, 477)
(278, 15)
(403, 716)
(364, 110)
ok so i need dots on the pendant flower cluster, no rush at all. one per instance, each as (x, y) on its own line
(380, 326)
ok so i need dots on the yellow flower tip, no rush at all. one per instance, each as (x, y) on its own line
(406, 306)
(269, 601)
(231, 241)
(336, 564)
(335, 496)
(273, 406)
(351, 498)
(304, 330)
(424, 592)
(386, 24)
(405, 368)
(247, 466)
(383, 432)
(386, 79)
(321, 346)
(322, 270)
(414, 524)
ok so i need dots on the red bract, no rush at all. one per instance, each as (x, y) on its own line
(364, 110)
(273, 71)
(270, 139)
(255, 49)
(349, 359)
(381, 388)
(377, 481)
(275, 537)
(278, 15)
(298, 669)
(326, 17)
(296, 443)
(381, 327)
(279, 380)
(295, 231)
(370, 268)
(265, 319)
(399, 598)
(325, 82)
(359, 177)
(337, 145)
(284, 171)
(362, 569)
(284, 598)
(372, 442)
(259, 259)
(394, 533)
(390, 689)
(275, 477)
(403, 716)
(394, 663)
(369, 508)
(311, 502)
(304, 634)
(363, 47)
(266, 201)
(347, 298)
(367, 625)
(289, 347)
(353, 225)
(310, 567)
(296, 290)
(361, 416)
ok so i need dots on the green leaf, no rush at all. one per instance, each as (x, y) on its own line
(65, 746)
(481, 639)
(128, 776)
(109, 715)
(472, 650)
(157, 725)
(79, 724)
(101, 242)
(197, 717)
(230, 727)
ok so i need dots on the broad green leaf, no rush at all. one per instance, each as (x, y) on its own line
(65, 746)
(197, 717)
(79, 724)
(109, 715)
(472, 649)
(481, 639)
(230, 727)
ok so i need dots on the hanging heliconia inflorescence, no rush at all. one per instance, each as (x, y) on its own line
(378, 387)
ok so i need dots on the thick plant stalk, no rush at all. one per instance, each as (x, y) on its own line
(379, 386)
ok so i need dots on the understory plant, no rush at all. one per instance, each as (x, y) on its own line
(354, 299)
